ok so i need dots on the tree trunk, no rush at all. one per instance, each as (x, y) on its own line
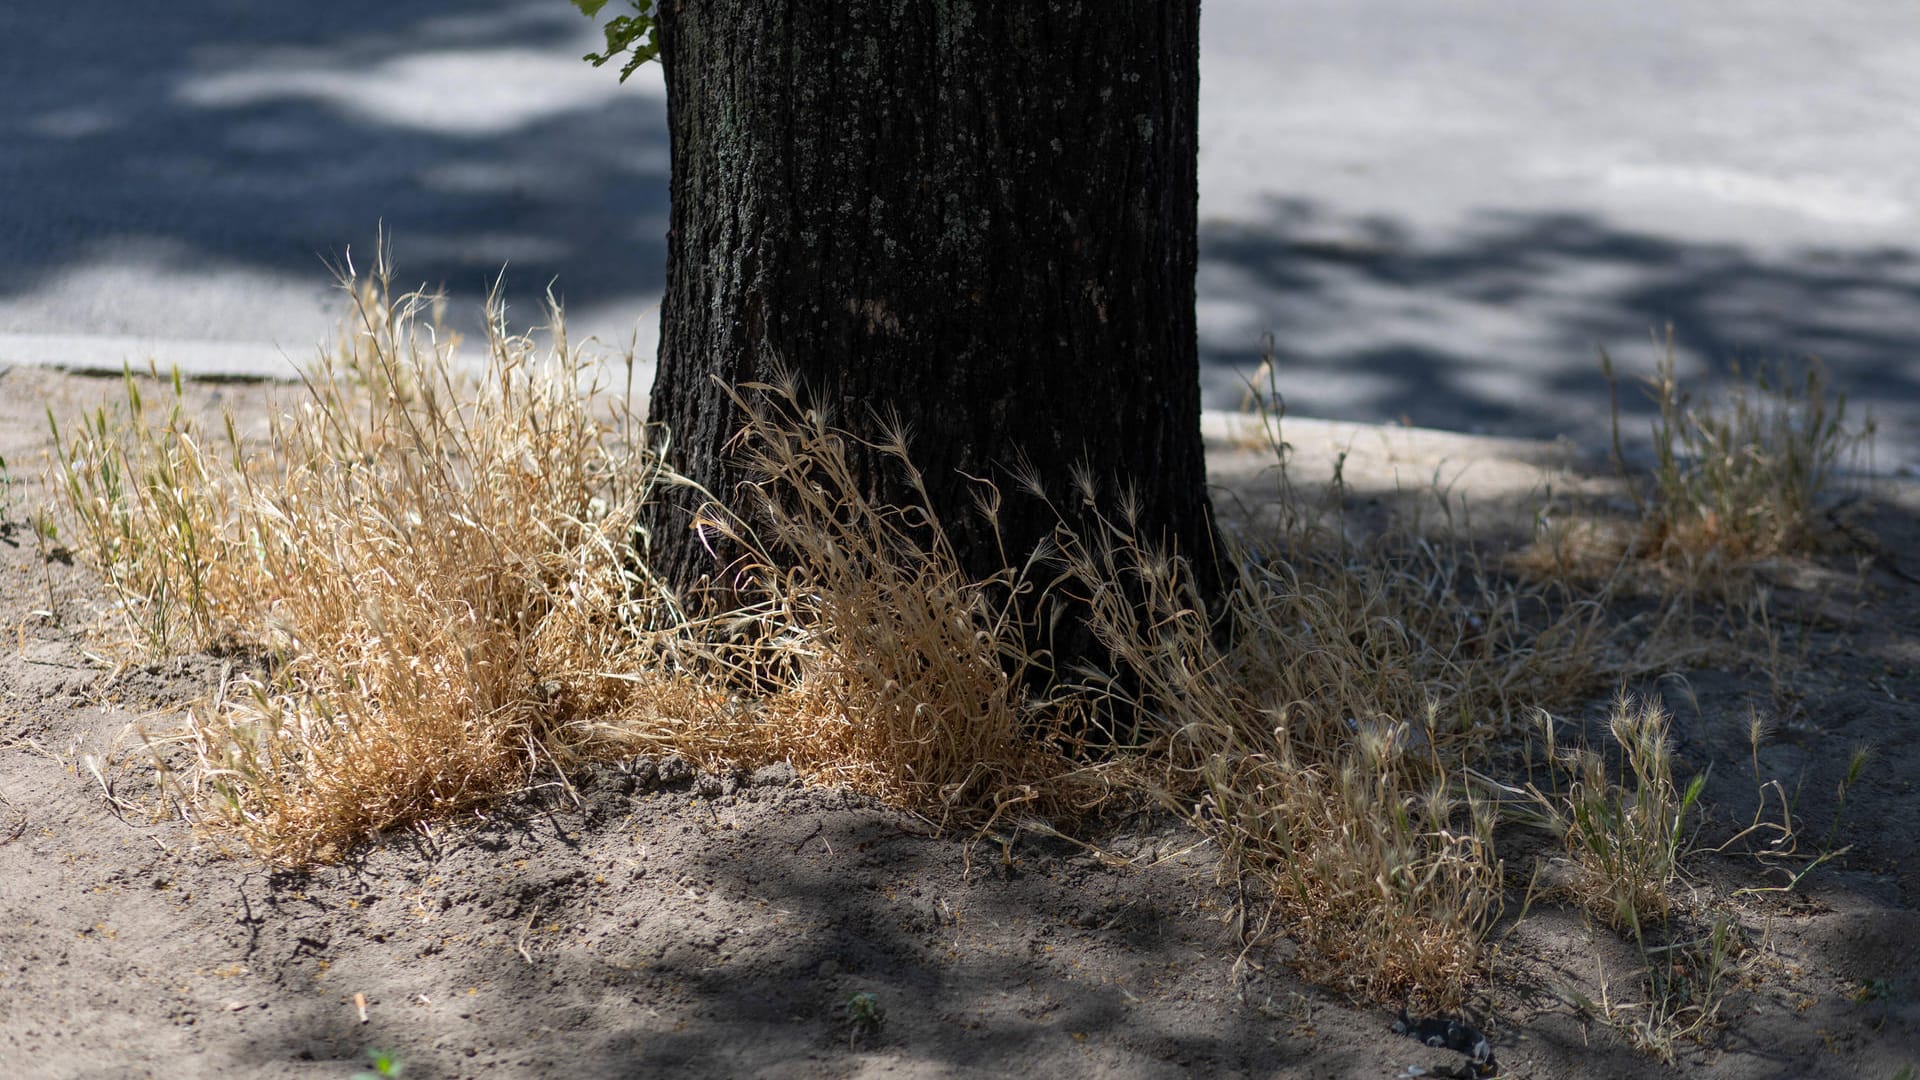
(976, 214)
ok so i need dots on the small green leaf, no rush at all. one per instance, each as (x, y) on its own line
(386, 1066)
(589, 8)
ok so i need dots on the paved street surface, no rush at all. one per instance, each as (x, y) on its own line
(1440, 211)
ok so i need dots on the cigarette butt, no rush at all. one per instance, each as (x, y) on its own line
(360, 1003)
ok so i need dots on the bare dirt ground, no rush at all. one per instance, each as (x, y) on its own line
(667, 924)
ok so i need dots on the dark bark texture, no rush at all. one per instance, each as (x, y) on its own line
(976, 214)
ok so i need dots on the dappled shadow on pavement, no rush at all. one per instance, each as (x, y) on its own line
(1499, 327)
(219, 135)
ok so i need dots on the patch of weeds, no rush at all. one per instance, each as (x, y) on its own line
(438, 568)
(902, 676)
(1574, 547)
(1683, 987)
(863, 1017)
(136, 484)
(384, 1066)
(1627, 839)
(1326, 746)
(1734, 484)
(7, 501)
(431, 563)
(1856, 766)
(1742, 481)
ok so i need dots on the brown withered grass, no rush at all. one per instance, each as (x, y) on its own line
(432, 569)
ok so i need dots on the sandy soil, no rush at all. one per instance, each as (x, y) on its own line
(676, 925)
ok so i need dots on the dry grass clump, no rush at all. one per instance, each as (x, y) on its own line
(1742, 481)
(1324, 748)
(902, 676)
(1732, 483)
(1627, 838)
(1575, 547)
(1684, 985)
(430, 564)
(147, 505)
(1689, 973)
(440, 588)
(1380, 862)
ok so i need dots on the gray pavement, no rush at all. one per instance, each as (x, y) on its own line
(187, 172)
(1440, 211)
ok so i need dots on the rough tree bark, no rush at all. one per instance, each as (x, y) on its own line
(977, 213)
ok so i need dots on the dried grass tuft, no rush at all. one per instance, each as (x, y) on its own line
(1733, 483)
(899, 675)
(1325, 748)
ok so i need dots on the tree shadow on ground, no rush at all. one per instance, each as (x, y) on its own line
(213, 134)
(1499, 328)
(735, 954)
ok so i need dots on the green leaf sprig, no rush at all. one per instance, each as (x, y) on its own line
(637, 34)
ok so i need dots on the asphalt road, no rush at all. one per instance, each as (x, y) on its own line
(1440, 211)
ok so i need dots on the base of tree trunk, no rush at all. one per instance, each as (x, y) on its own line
(971, 221)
